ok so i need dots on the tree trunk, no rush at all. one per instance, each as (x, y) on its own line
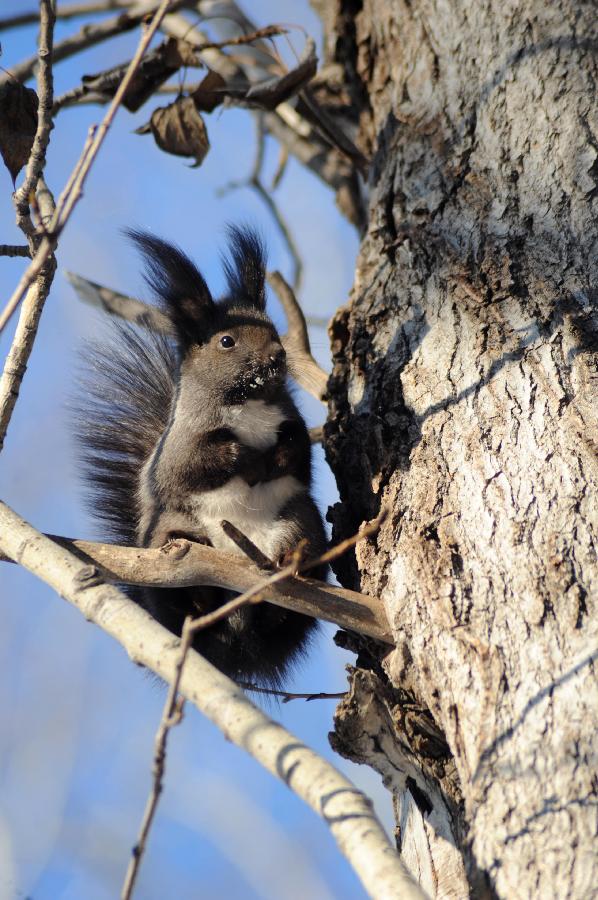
(462, 400)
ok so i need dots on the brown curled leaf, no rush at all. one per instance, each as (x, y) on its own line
(18, 124)
(179, 129)
(209, 93)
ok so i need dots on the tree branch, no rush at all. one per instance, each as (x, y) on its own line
(90, 35)
(72, 11)
(346, 810)
(14, 250)
(38, 290)
(184, 564)
(120, 305)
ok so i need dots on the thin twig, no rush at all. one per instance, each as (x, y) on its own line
(70, 198)
(246, 546)
(287, 696)
(254, 595)
(258, 592)
(14, 250)
(172, 712)
(254, 181)
(281, 168)
(172, 715)
(367, 531)
(259, 33)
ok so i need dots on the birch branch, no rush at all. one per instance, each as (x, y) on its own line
(346, 810)
(37, 292)
(74, 188)
(185, 564)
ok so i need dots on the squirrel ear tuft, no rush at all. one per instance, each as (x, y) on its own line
(246, 274)
(178, 283)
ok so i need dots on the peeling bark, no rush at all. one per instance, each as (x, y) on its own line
(463, 397)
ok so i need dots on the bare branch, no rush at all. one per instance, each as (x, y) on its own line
(74, 188)
(20, 351)
(184, 564)
(303, 142)
(292, 131)
(246, 546)
(89, 36)
(254, 181)
(346, 810)
(14, 250)
(286, 696)
(120, 305)
(38, 290)
(72, 11)
(257, 34)
(302, 365)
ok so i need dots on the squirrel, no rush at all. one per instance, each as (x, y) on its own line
(180, 431)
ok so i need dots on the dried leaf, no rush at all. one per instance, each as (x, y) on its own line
(209, 93)
(18, 124)
(178, 52)
(179, 129)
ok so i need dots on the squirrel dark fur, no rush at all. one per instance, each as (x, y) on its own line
(180, 432)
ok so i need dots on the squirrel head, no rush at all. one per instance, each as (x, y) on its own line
(229, 347)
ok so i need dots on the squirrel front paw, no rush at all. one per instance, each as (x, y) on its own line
(177, 542)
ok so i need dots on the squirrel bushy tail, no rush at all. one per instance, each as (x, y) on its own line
(123, 410)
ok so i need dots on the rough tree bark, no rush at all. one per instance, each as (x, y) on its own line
(463, 398)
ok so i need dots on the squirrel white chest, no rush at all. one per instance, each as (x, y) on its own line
(254, 509)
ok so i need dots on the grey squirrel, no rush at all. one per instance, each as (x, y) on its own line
(178, 433)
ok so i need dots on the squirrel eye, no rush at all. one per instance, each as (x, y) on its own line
(227, 341)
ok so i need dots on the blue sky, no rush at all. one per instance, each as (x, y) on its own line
(78, 720)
